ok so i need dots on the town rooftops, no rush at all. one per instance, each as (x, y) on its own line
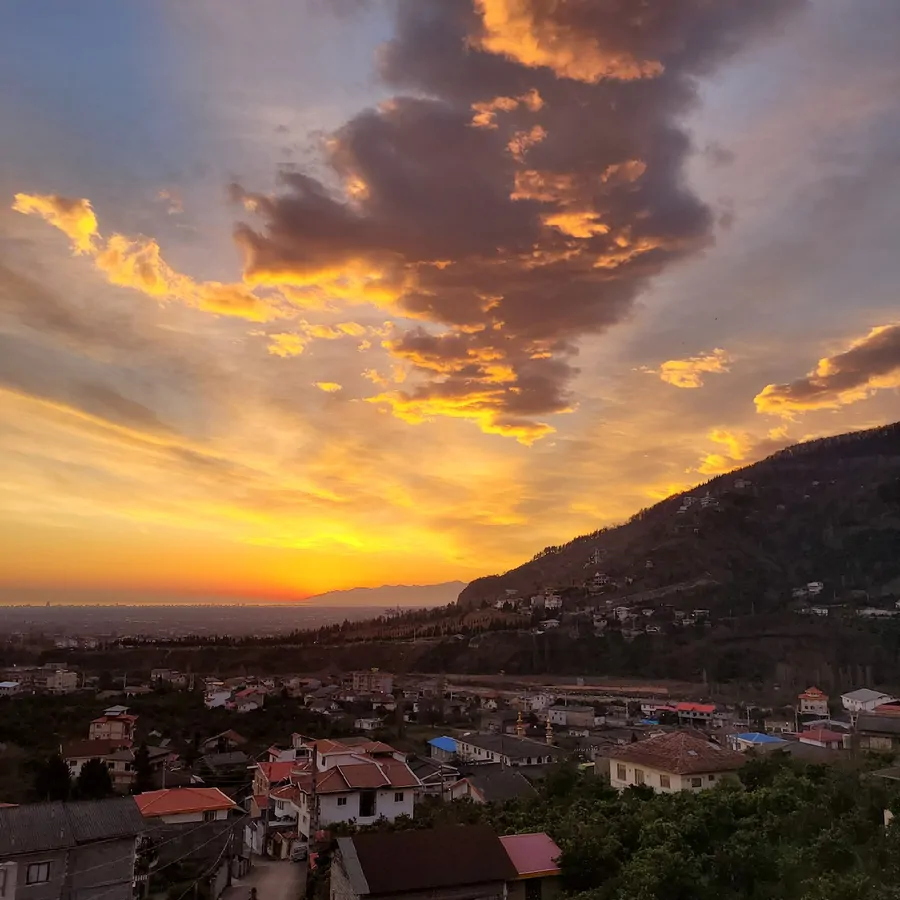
(92, 749)
(533, 855)
(447, 744)
(865, 695)
(177, 801)
(432, 859)
(41, 827)
(680, 753)
(509, 745)
(757, 737)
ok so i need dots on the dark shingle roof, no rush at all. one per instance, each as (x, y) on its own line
(510, 746)
(497, 787)
(400, 861)
(54, 826)
(878, 724)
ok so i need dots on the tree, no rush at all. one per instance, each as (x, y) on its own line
(93, 782)
(52, 781)
(143, 774)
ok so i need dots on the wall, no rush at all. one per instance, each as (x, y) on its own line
(107, 867)
(652, 778)
(49, 890)
(551, 888)
(385, 806)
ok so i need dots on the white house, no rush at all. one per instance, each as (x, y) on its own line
(677, 761)
(864, 700)
(505, 749)
(9, 688)
(179, 805)
(813, 702)
(369, 723)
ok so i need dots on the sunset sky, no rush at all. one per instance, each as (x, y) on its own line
(305, 294)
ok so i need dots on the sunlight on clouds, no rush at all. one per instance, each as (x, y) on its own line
(869, 364)
(330, 387)
(688, 373)
(740, 449)
(514, 29)
(74, 218)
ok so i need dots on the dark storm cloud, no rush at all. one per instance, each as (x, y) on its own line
(521, 199)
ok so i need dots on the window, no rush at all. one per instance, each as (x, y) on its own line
(342, 801)
(528, 760)
(398, 797)
(638, 776)
(209, 815)
(37, 873)
(621, 774)
(696, 782)
(665, 781)
(712, 777)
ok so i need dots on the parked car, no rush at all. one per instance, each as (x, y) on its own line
(299, 853)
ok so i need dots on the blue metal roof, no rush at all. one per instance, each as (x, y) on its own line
(757, 737)
(448, 744)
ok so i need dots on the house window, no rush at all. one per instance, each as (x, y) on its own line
(342, 801)
(398, 796)
(712, 777)
(665, 781)
(638, 776)
(209, 815)
(37, 873)
(621, 774)
(528, 760)
(696, 782)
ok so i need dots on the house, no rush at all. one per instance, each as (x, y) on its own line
(461, 862)
(812, 702)
(223, 742)
(368, 723)
(502, 721)
(217, 697)
(494, 785)
(436, 776)
(697, 714)
(677, 761)
(114, 724)
(864, 700)
(373, 680)
(121, 764)
(535, 702)
(877, 732)
(755, 740)
(229, 767)
(822, 737)
(68, 851)
(572, 716)
(535, 857)
(61, 681)
(9, 688)
(177, 806)
(442, 748)
(501, 748)
(247, 700)
(77, 753)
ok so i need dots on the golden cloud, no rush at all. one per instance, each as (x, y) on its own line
(138, 264)
(513, 28)
(486, 110)
(688, 373)
(330, 387)
(869, 364)
(740, 448)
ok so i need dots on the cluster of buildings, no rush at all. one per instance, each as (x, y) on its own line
(50, 678)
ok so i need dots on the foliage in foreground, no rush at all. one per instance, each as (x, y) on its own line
(789, 832)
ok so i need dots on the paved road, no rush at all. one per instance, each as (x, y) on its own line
(273, 880)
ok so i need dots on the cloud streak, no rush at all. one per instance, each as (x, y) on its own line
(688, 373)
(516, 194)
(869, 364)
(137, 263)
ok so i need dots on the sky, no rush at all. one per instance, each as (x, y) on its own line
(300, 295)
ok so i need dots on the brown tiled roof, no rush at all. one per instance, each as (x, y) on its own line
(681, 753)
(391, 862)
(363, 775)
(92, 749)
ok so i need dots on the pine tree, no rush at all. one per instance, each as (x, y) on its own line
(143, 774)
(93, 782)
(53, 781)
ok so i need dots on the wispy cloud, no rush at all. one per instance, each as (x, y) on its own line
(689, 372)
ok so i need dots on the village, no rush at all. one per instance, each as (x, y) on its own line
(226, 810)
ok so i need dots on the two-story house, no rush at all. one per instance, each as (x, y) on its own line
(373, 681)
(572, 716)
(864, 700)
(77, 753)
(677, 761)
(696, 714)
(69, 851)
(114, 725)
(813, 702)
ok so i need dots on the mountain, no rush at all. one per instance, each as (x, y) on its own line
(824, 511)
(388, 595)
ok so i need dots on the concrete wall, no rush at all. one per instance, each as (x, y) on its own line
(652, 778)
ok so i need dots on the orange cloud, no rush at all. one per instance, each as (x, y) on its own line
(138, 264)
(870, 364)
(739, 449)
(688, 373)
(513, 28)
(486, 111)
(74, 218)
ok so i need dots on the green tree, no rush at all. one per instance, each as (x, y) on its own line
(93, 782)
(52, 780)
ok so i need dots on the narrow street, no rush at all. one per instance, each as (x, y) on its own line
(273, 880)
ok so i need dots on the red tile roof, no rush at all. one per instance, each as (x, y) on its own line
(363, 775)
(277, 771)
(696, 707)
(813, 693)
(680, 753)
(823, 736)
(532, 854)
(173, 801)
(93, 749)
